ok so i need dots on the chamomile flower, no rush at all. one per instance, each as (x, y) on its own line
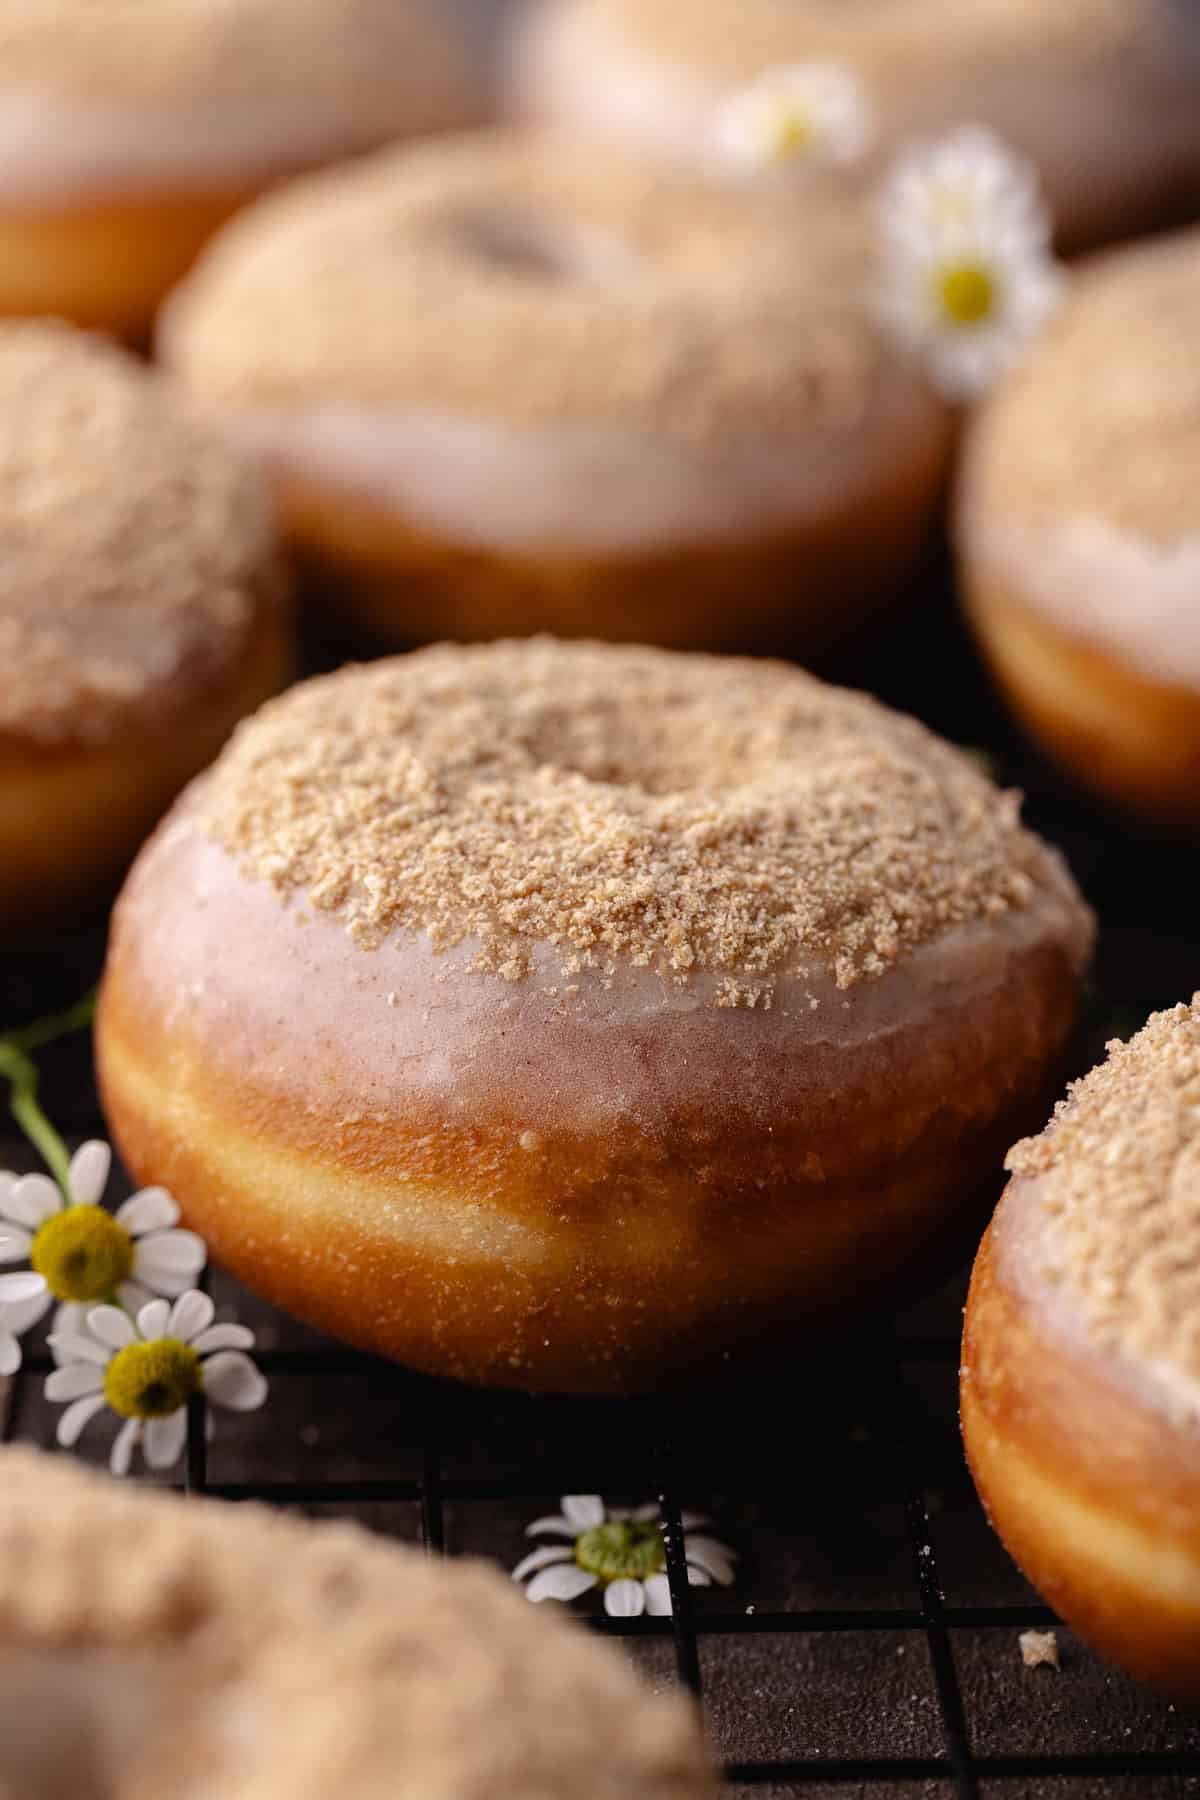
(81, 1254)
(969, 274)
(21, 1308)
(146, 1371)
(812, 112)
(620, 1551)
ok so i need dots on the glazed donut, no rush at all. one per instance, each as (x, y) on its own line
(141, 612)
(1081, 1358)
(1103, 95)
(159, 1649)
(582, 1018)
(538, 386)
(128, 133)
(1079, 531)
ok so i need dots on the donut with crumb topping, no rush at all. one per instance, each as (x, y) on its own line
(142, 612)
(1079, 530)
(159, 1649)
(582, 1018)
(129, 132)
(538, 386)
(1081, 1356)
(1099, 94)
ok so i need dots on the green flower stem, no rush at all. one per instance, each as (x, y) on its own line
(54, 1025)
(20, 1071)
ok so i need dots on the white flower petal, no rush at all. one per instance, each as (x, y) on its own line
(697, 1577)
(20, 1316)
(541, 1559)
(624, 1600)
(33, 1200)
(151, 1209)
(126, 1443)
(89, 1172)
(164, 1439)
(232, 1380)
(72, 1347)
(70, 1319)
(15, 1243)
(191, 1314)
(111, 1326)
(645, 1513)
(714, 1558)
(566, 1581)
(692, 1521)
(133, 1296)
(224, 1337)
(658, 1596)
(10, 1354)
(169, 1256)
(17, 1290)
(551, 1525)
(152, 1320)
(73, 1380)
(584, 1511)
(72, 1422)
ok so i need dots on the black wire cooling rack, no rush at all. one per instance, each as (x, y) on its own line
(869, 1645)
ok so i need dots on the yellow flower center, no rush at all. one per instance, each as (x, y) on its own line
(622, 1550)
(791, 133)
(152, 1381)
(966, 293)
(82, 1254)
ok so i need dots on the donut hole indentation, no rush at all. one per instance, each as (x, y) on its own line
(527, 245)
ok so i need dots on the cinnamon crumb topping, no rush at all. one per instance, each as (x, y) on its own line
(693, 814)
(885, 45)
(134, 547)
(542, 282)
(369, 63)
(312, 1660)
(1120, 1182)
(1103, 419)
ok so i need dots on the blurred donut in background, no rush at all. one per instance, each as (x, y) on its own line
(507, 384)
(1103, 95)
(1079, 530)
(141, 613)
(129, 132)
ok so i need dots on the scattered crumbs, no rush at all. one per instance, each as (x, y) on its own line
(750, 1609)
(393, 998)
(689, 814)
(1118, 1183)
(529, 1140)
(1038, 1647)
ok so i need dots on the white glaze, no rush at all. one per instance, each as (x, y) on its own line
(1025, 1238)
(1133, 599)
(591, 487)
(1106, 136)
(328, 1025)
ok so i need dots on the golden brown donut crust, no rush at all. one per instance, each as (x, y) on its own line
(1095, 1498)
(401, 1110)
